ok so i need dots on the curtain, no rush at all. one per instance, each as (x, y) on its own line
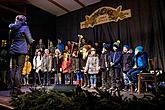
(146, 26)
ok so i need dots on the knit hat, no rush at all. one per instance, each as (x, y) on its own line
(20, 18)
(106, 46)
(93, 49)
(117, 43)
(126, 46)
(139, 48)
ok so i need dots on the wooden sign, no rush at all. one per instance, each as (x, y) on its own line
(105, 15)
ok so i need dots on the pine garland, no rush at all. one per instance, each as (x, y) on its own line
(40, 99)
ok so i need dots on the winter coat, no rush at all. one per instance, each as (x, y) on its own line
(116, 58)
(20, 34)
(66, 66)
(141, 61)
(103, 62)
(61, 47)
(46, 64)
(127, 61)
(92, 64)
(82, 60)
(37, 63)
(56, 64)
(26, 68)
(75, 63)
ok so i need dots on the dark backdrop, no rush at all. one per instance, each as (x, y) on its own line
(146, 26)
(42, 24)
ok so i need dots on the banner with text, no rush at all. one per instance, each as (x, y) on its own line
(105, 15)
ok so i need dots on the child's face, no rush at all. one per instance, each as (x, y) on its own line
(125, 50)
(114, 48)
(39, 53)
(51, 44)
(104, 50)
(26, 58)
(83, 40)
(66, 47)
(69, 42)
(84, 50)
(56, 52)
(46, 51)
(136, 52)
(40, 41)
(93, 52)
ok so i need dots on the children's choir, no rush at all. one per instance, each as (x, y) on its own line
(81, 63)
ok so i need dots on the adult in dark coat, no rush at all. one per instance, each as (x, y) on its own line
(20, 36)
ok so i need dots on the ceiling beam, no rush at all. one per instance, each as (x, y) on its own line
(80, 3)
(14, 1)
(13, 10)
(59, 5)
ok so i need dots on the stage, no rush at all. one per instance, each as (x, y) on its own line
(5, 96)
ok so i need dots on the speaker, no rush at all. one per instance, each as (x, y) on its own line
(64, 88)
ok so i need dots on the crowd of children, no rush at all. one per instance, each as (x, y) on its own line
(81, 63)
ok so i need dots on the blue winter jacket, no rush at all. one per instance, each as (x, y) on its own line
(61, 47)
(116, 58)
(141, 61)
(20, 36)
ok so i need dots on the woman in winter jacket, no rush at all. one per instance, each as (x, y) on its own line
(20, 37)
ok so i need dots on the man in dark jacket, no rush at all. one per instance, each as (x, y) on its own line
(20, 36)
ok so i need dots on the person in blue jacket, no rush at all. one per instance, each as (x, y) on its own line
(140, 64)
(20, 38)
(115, 63)
(60, 45)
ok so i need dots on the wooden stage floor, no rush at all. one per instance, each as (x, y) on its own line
(5, 96)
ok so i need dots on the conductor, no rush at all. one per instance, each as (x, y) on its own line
(20, 37)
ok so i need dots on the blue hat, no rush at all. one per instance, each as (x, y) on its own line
(106, 46)
(139, 48)
(126, 46)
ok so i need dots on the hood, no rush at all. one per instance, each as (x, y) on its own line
(16, 25)
(139, 48)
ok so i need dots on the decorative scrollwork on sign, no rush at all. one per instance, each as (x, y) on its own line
(105, 15)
